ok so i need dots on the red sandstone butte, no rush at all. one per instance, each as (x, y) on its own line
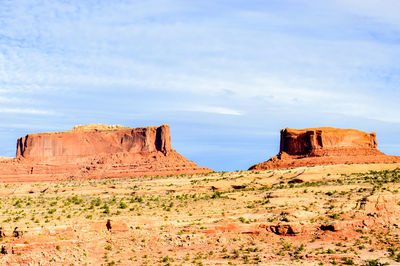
(86, 141)
(325, 145)
(96, 151)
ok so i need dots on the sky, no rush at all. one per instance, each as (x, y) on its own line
(226, 75)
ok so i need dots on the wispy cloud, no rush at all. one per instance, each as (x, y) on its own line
(280, 62)
(213, 109)
(383, 11)
(25, 111)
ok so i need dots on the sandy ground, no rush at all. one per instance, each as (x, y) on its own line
(336, 214)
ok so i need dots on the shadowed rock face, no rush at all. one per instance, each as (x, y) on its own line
(80, 142)
(325, 145)
(96, 151)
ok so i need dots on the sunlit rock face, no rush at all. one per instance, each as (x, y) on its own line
(327, 141)
(325, 145)
(96, 151)
(90, 140)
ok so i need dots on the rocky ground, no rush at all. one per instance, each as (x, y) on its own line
(337, 214)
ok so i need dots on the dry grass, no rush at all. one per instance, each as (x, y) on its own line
(207, 219)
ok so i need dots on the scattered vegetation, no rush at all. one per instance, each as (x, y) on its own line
(187, 211)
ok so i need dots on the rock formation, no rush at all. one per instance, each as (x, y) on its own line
(325, 145)
(86, 141)
(96, 151)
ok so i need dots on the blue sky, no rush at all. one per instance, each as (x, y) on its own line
(227, 75)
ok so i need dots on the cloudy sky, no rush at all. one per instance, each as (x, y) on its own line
(227, 75)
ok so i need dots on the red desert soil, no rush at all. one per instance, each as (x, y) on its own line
(324, 146)
(335, 214)
(96, 151)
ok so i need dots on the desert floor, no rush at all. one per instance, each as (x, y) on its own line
(341, 214)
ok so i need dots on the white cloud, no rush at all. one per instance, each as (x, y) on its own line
(213, 109)
(26, 111)
(275, 61)
(384, 11)
(314, 56)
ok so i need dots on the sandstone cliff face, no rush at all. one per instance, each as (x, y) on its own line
(327, 141)
(96, 151)
(325, 145)
(81, 142)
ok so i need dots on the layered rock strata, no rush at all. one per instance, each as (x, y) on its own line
(81, 142)
(96, 151)
(325, 145)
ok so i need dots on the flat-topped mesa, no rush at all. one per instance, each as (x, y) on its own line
(90, 140)
(96, 151)
(327, 141)
(98, 127)
(325, 145)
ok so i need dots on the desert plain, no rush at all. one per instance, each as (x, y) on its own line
(345, 214)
